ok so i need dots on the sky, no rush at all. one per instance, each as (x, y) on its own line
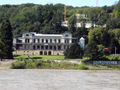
(74, 3)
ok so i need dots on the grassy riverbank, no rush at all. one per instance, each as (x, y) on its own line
(47, 62)
(40, 64)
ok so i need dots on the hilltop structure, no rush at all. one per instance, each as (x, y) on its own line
(83, 21)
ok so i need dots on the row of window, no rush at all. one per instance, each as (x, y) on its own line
(46, 41)
(45, 47)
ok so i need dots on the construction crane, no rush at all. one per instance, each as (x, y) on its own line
(65, 22)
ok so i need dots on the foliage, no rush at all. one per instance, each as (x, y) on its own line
(99, 36)
(82, 67)
(18, 65)
(40, 64)
(94, 51)
(74, 52)
(6, 39)
(113, 57)
(48, 18)
(115, 40)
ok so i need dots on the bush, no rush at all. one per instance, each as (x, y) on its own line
(82, 67)
(112, 57)
(18, 65)
(74, 51)
(30, 65)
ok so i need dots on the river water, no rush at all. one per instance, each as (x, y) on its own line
(39, 79)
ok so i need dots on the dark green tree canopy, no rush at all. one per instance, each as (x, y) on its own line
(6, 39)
(74, 52)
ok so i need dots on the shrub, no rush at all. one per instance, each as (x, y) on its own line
(82, 67)
(74, 51)
(18, 65)
(30, 65)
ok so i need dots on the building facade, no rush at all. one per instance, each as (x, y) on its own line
(43, 44)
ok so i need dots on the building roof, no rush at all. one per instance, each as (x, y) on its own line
(49, 35)
(34, 34)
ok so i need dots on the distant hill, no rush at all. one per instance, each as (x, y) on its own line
(48, 18)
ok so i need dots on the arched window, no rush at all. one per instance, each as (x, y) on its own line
(41, 52)
(49, 53)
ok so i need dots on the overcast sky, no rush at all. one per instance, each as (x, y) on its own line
(67, 2)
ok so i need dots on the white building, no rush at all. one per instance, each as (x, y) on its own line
(82, 42)
(44, 44)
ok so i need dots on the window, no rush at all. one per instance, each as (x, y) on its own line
(33, 40)
(41, 53)
(27, 34)
(50, 40)
(27, 41)
(46, 40)
(46, 47)
(59, 47)
(38, 40)
(50, 47)
(54, 40)
(42, 40)
(54, 47)
(66, 35)
(42, 47)
(66, 40)
(33, 47)
(38, 47)
(33, 34)
(59, 41)
(49, 53)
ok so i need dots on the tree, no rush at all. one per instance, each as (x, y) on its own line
(74, 52)
(72, 24)
(99, 36)
(1, 50)
(114, 40)
(94, 51)
(6, 39)
(91, 50)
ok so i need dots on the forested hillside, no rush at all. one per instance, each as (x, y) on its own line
(48, 18)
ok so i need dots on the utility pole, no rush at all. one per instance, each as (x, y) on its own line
(96, 3)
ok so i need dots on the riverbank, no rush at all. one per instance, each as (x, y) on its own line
(5, 64)
(54, 64)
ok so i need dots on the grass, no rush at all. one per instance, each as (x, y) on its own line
(44, 57)
(112, 57)
(40, 64)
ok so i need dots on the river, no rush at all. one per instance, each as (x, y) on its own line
(45, 79)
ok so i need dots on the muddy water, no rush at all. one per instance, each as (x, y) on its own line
(59, 80)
